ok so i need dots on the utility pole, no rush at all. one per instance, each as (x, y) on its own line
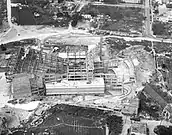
(107, 129)
(100, 45)
(154, 55)
(123, 84)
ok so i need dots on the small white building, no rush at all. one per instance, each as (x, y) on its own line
(162, 19)
(167, 112)
(138, 129)
(132, 1)
(167, 17)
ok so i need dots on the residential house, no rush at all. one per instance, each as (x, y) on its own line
(167, 112)
(130, 107)
(138, 129)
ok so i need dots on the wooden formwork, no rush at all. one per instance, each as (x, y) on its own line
(52, 77)
(21, 63)
(52, 63)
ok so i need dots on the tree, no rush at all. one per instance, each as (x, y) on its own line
(111, 1)
(3, 126)
(115, 124)
(158, 29)
(3, 48)
(156, 11)
(163, 130)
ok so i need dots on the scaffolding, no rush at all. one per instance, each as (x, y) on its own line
(23, 62)
(51, 63)
(78, 65)
(52, 77)
(102, 68)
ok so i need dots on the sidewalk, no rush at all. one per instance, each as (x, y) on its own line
(4, 90)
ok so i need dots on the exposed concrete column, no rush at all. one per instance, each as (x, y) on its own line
(70, 28)
(107, 129)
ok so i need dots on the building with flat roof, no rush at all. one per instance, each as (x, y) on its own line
(167, 112)
(131, 106)
(76, 87)
(21, 86)
(132, 1)
(138, 129)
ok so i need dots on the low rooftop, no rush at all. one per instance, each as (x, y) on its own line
(139, 128)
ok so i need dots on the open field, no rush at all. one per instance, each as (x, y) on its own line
(162, 29)
(122, 19)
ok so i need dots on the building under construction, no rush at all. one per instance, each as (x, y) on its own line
(22, 72)
(78, 73)
(62, 69)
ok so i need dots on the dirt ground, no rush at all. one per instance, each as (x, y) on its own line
(5, 88)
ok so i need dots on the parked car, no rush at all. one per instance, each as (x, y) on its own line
(135, 118)
(21, 101)
(14, 101)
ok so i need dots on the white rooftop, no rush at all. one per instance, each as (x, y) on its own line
(76, 84)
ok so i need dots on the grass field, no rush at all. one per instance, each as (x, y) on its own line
(122, 19)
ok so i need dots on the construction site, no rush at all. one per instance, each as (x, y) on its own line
(61, 69)
(73, 72)
(82, 68)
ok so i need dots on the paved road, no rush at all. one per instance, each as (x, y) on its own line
(147, 22)
(121, 5)
(9, 12)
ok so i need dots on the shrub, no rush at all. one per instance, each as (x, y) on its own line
(115, 124)
(163, 130)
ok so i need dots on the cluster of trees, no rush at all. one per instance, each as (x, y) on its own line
(116, 45)
(79, 111)
(163, 130)
(115, 124)
(160, 28)
(148, 106)
(3, 125)
(112, 1)
(161, 47)
(3, 11)
(145, 43)
(45, 13)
